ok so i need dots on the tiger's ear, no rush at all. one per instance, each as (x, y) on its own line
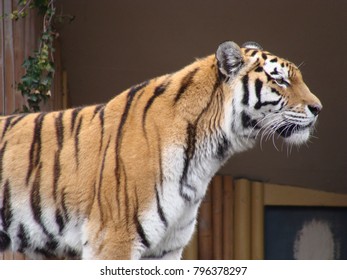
(229, 59)
(252, 45)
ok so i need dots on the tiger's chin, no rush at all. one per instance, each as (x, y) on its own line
(298, 138)
(294, 134)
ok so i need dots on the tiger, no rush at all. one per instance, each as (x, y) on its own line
(125, 179)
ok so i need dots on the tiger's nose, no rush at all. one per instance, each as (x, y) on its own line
(315, 108)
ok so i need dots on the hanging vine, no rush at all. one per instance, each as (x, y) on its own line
(35, 84)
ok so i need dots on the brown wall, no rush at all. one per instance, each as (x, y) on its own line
(114, 44)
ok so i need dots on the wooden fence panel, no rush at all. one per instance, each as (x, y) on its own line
(19, 55)
(2, 85)
(9, 61)
(18, 40)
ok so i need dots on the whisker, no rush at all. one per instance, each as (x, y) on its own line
(301, 64)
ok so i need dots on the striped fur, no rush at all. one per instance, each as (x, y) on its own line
(124, 180)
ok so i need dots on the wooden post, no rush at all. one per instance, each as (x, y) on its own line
(65, 90)
(228, 218)
(8, 61)
(191, 251)
(242, 241)
(217, 219)
(205, 227)
(257, 216)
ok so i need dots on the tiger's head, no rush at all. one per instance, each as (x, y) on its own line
(269, 94)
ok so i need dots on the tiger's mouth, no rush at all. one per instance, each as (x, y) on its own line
(289, 129)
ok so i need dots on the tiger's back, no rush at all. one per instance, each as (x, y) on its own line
(125, 179)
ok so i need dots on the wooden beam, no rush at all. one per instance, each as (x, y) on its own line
(279, 195)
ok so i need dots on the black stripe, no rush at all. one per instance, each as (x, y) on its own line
(276, 102)
(247, 121)
(71, 253)
(275, 91)
(159, 90)
(160, 160)
(64, 207)
(258, 86)
(56, 174)
(191, 140)
(18, 119)
(185, 83)
(101, 180)
(130, 98)
(77, 134)
(274, 59)
(259, 104)
(102, 123)
(100, 207)
(223, 146)
(245, 98)
(59, 220)
(45, 253)
(282, 105)
(6, 126)
(274, 72)
(137, 223)
(59, 129)
(37, 138)
(126, 198)
(2, 152)
(51, 245)
(160, 209)
(97, 109)
(269, 78)
(189, 153)
(142, 234)
(5, 241)
(35, 148)
(259, 69)
(74, 115)
(6, 210)
(23, 237)
(264, 56)
(35, 200)
(254, 53)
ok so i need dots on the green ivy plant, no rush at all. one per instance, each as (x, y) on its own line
(39, 68)
(35, 85)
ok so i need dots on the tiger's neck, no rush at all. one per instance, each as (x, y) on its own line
(212, 136)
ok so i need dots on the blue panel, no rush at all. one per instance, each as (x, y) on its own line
(282, 225)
